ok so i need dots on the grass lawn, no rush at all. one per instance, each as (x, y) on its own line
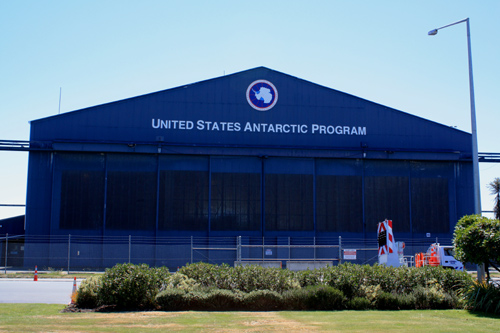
(47, 318)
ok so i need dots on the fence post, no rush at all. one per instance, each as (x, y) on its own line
(129, 247)
(340, 249)
(69, 250)
(314, 242)
(263, 257)
(289, 249)
(6, 250)
(191, 249)
(238, 249)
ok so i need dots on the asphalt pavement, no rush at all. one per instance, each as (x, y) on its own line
(48, 291)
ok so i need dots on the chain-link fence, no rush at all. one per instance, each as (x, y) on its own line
(80, 253)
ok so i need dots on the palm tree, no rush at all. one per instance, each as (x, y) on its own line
(494, 187)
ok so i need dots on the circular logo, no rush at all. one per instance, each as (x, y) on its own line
(262, 95)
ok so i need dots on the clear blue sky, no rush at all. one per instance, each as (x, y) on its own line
(102, 51)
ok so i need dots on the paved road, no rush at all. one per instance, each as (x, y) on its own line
(49, 291)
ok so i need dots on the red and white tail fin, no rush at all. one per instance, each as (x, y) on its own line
(390, 252)
(385, 238)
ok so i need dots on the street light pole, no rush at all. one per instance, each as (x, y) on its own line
(475, 157)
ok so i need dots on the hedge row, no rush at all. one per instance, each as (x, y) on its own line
(310, 298)
(348, 278)
(210, 287)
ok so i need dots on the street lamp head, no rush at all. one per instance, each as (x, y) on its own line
(433, 32)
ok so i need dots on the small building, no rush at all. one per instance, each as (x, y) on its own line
(258, 154)
(12, 241)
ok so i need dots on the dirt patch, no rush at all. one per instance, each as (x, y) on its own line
(275, 322)
(103, 308)
(111, 311)
(252, 321)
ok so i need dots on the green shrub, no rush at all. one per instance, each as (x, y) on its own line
(430, 298)
(483, 297)
(208, 275)
(313, 277)
(347, 278)
(453, 301)
(218, 300)
(406, 301)
(384, 277)
(87, 297)
(359, 303)
(172, 300)
(448, 280)
(371, 292)
(387, 301)
(253, 277)
(394, 301)
(324, 298)
(180, 281)
(352, 279)
(296, 299)
(244, 278)
(263, 300)
(196, 300)
(223, 300)
(314, 298)
(129, 286)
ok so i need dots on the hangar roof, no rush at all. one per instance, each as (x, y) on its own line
(14, 226)
(254, 109)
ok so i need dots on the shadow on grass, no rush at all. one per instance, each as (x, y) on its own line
(484, 314)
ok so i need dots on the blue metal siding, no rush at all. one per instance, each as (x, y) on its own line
(39, 193)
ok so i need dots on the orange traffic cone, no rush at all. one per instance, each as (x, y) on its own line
(74, 293)
(36, 274)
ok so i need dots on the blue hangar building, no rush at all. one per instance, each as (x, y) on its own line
(258, 154)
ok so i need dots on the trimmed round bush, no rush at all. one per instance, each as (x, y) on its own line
(223, 300)
(296, 299)
(393, 301)
(172, 300)
(196, 300)
(359, 303)
(406, 301)
(129, 286)
(263, 300)
(387, 301)
(324, 298)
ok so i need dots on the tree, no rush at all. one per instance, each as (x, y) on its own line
(494, 187)
(477, 240)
